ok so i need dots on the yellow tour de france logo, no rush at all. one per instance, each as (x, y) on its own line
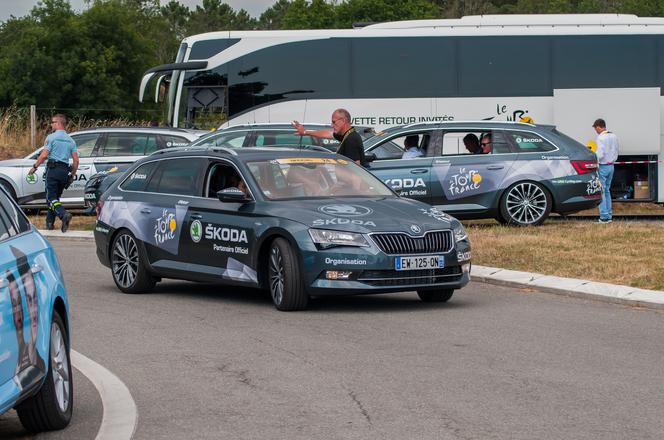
(477, 178)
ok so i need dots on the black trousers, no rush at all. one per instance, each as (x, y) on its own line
(56, 179)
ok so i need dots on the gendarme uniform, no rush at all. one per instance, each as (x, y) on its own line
(60, 147)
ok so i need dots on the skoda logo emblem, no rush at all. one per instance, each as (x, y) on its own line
(31, 178)
(345, 210)
(415, 229)
(195, 231)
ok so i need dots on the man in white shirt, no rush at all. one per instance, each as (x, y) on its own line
(607, 153)
(412, 149)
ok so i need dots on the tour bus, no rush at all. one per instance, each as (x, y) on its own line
(565, 70)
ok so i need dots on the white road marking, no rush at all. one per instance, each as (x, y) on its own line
(120, 415)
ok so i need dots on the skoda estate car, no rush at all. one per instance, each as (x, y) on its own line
(296, 223)
(35, 368)
(519, 173)
(99, 149)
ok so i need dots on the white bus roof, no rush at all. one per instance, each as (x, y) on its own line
(474, 25)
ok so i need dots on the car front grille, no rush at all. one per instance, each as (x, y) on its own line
(394, 243)
(388, 278)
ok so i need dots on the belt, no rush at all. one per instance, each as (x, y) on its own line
(57, 162)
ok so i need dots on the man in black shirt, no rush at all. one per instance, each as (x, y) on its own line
(350, 142)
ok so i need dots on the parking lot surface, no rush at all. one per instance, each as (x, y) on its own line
(204, 361)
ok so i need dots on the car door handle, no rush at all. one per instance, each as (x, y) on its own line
(36, 268)
(419, 171)
(84, 167)
(495, 167)
(4, 283)
(145, 211)
(196, 216)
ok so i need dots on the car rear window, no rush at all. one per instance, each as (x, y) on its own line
(527, 142)
(137, 180)
(121, 144)
(178, 176)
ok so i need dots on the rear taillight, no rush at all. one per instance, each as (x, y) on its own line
(584, 166)
(98, 207)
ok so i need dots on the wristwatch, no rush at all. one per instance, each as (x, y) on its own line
(34, 167)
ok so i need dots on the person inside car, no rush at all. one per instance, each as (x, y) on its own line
(486, 143)
(472, 143)
(412, 149)
(235, 181)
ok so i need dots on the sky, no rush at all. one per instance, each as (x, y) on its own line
(19, 8)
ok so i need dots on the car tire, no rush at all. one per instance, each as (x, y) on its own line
(284, 278)
(525, 204)
(128, 266)
(51, 408)
(8, 188)
(441, 295)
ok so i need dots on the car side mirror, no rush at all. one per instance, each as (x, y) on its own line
(370, 157)
(232, 195)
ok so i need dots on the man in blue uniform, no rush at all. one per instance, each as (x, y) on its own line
(59, 147)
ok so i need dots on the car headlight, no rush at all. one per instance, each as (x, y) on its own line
(325, 238)
(459, 233)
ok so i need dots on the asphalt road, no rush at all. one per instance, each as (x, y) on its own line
(214, 362)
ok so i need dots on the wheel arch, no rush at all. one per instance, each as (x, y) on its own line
(9, 183)
(263, 254)
(61, 309)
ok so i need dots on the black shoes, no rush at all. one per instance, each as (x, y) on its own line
(65, 222)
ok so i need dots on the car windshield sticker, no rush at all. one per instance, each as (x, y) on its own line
(343, 210)
(292, 160)
(236, 270)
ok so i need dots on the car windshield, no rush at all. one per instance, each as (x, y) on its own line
(305, 177)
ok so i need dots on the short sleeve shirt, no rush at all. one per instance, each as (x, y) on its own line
(351, 146)
(60, 146)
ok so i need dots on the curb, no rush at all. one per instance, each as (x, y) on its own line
(575, 287)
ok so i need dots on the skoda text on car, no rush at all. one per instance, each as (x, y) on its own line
(296, 223)
(525, 172)
(35, 368)
(99, 149)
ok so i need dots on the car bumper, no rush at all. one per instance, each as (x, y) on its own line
(374, 272)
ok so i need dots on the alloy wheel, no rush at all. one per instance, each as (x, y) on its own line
(60, 368)
(276, 275)
(125, 260)
(526, 203)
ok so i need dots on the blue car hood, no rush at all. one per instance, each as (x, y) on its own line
(388, 214)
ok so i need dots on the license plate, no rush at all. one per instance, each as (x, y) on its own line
(418, 263)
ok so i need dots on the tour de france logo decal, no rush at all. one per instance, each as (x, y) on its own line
(345, 210)
(31, 179)
(196, 231)
(465, 181)
(164, 228)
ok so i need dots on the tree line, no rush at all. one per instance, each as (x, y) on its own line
(90, 63)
